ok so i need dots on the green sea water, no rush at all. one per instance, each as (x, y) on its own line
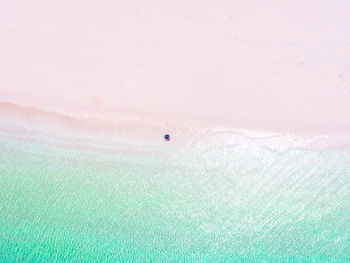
(71, 196)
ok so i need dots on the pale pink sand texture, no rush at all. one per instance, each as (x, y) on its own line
(278, 65)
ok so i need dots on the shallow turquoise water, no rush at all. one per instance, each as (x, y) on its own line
(227, 197)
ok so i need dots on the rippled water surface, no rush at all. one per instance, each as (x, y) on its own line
(227, 197)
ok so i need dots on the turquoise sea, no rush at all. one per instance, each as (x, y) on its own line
(220, 195)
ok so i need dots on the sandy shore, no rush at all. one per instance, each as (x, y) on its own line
(17, 119)
(266, 66)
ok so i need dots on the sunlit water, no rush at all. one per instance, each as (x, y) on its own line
(221, 196)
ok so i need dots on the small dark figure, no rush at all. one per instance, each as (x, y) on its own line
(167, 137)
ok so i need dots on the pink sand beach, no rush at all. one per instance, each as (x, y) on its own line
(240, 64)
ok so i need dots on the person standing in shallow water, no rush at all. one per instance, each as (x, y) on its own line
(167, 137)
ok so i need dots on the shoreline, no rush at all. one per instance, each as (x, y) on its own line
(131, 126)
(101, 121)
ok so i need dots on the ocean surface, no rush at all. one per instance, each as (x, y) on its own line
(208, 195)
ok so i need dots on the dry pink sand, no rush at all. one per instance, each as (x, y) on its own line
(276, 65)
